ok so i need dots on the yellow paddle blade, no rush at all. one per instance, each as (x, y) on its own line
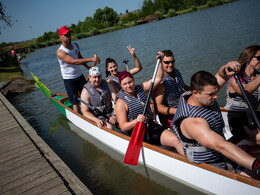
(41, 86)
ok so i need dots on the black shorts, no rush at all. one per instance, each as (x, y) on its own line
(153, 133)
(74, 88)
(236, 121)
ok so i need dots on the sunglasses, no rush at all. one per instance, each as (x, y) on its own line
(168, 62)
(257, 57)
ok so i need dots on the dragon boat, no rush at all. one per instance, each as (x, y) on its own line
(203, 177)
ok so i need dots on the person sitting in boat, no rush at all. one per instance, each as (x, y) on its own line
(98, 94)
(237, 107)
(198, 123)
(129, 107)
(167, 95)
(112, 68)
(69, 58)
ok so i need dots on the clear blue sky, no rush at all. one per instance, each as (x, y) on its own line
(34, 17)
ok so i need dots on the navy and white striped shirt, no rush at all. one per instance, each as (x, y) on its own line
(214, 118)
(174, 87)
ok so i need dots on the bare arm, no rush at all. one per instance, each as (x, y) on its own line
(62, 55)
(250, 88)
(86, 110)
(138, 66)
(111, 89)
(198, 129)
(158, 98)
(157, 81)
(224, 74)
(121, 112)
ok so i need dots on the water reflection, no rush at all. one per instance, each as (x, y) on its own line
(105, 168)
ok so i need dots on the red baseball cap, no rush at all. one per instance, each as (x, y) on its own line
(64, 30)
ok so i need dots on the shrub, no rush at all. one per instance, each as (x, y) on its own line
(171, 13)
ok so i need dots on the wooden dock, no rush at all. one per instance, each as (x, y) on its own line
(27, 164)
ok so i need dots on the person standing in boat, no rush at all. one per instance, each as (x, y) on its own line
(167, 95)
(129, 107)
(112, 68)
(98, 93)
(198, 123)
(237, 107)
(69, 58)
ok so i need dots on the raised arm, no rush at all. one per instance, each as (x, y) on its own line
(224, 74)
(158, 78)
(138, 66)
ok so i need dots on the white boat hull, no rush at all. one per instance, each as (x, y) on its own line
(187, 173)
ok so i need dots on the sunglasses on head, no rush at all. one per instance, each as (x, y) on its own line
(168, 62)
(257, 57)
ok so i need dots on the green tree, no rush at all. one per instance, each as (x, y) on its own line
(106, 17)
(7, 20)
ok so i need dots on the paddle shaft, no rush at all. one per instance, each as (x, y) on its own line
(92, 107)
(248, 102)
(94, 64)
(126, 65)
(151, 86)
(135, 143)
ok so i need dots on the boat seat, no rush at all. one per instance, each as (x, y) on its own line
(62, 100)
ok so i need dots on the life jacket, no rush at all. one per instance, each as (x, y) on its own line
(236, 102)
(101, 101)
(194, 150)
(174, 87)
(136, 104)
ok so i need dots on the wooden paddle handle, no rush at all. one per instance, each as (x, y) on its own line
(94, 64)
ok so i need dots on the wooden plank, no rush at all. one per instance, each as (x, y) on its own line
(23, 171)
(18, 140)
(50, 183)
(25, 179)
(19, 162)
(13, 138)
(16, 152)
(37, 185)
(57, 190)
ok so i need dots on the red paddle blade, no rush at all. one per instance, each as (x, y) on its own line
(135, 144)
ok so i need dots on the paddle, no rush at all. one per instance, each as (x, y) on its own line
(135, 143)
(246, 99)
(95, 109)
(94, 64)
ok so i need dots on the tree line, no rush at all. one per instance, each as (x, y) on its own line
(106, 20)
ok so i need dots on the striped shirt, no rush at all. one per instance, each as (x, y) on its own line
(135, 104)
(174, 87)
(214, 118)
(236, 102)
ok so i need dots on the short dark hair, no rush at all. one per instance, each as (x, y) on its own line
(109, 60)
(202, 78)
(167, 53)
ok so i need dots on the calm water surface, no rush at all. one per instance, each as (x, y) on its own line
(202, 40)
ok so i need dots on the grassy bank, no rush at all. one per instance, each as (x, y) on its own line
(7, 73)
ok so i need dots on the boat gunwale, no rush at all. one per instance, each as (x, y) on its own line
(205, 166)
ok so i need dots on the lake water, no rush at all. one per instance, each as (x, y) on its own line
(202, 40)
